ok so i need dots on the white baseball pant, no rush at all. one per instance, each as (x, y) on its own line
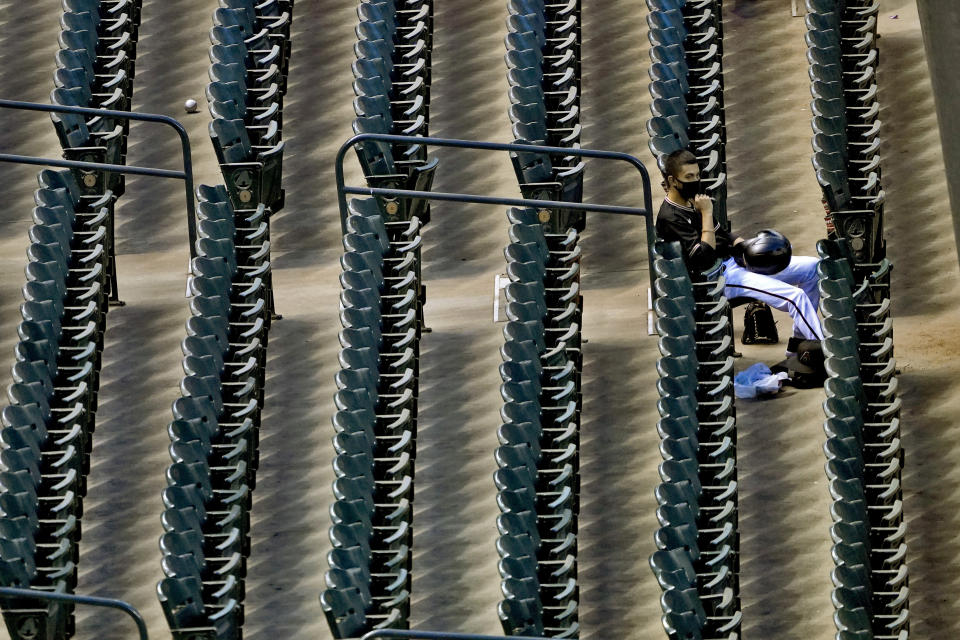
(793, 290)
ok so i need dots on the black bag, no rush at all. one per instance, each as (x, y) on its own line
(758, 325)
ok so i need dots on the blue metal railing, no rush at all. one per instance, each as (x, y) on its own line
(412, 634)
(646, 212)
(186, 175)
(93, 601)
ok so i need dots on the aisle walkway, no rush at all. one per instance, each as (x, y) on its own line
(784, 502)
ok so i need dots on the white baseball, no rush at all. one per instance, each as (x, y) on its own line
(190, 106)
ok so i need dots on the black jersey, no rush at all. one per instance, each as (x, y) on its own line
(684, 225)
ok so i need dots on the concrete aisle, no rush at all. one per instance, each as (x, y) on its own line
(619, 444)
(785, 518)
(784, 499)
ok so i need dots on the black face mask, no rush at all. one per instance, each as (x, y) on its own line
(688, 189)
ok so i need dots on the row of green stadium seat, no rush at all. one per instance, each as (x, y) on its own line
(863, 449)
(71, 278)
(538, 476)
(538, 479)
(543, 69)
(250, 57)
(369, 580)
(48, 426)
(95, 68)
(842, 51)
(686, 85)
(215, 432)
(697, 563)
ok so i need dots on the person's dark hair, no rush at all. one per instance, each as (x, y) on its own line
(677, 159)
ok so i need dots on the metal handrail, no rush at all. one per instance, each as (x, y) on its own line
(412, 634)
(93, 601)
(186, 175)
(646, 212)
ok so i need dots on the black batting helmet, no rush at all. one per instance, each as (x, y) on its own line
(767, 253)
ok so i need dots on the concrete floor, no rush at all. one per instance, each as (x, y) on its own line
(783, 498)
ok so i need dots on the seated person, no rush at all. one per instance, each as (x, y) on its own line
(686, 216)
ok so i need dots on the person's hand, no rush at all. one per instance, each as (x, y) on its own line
(704, 205)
